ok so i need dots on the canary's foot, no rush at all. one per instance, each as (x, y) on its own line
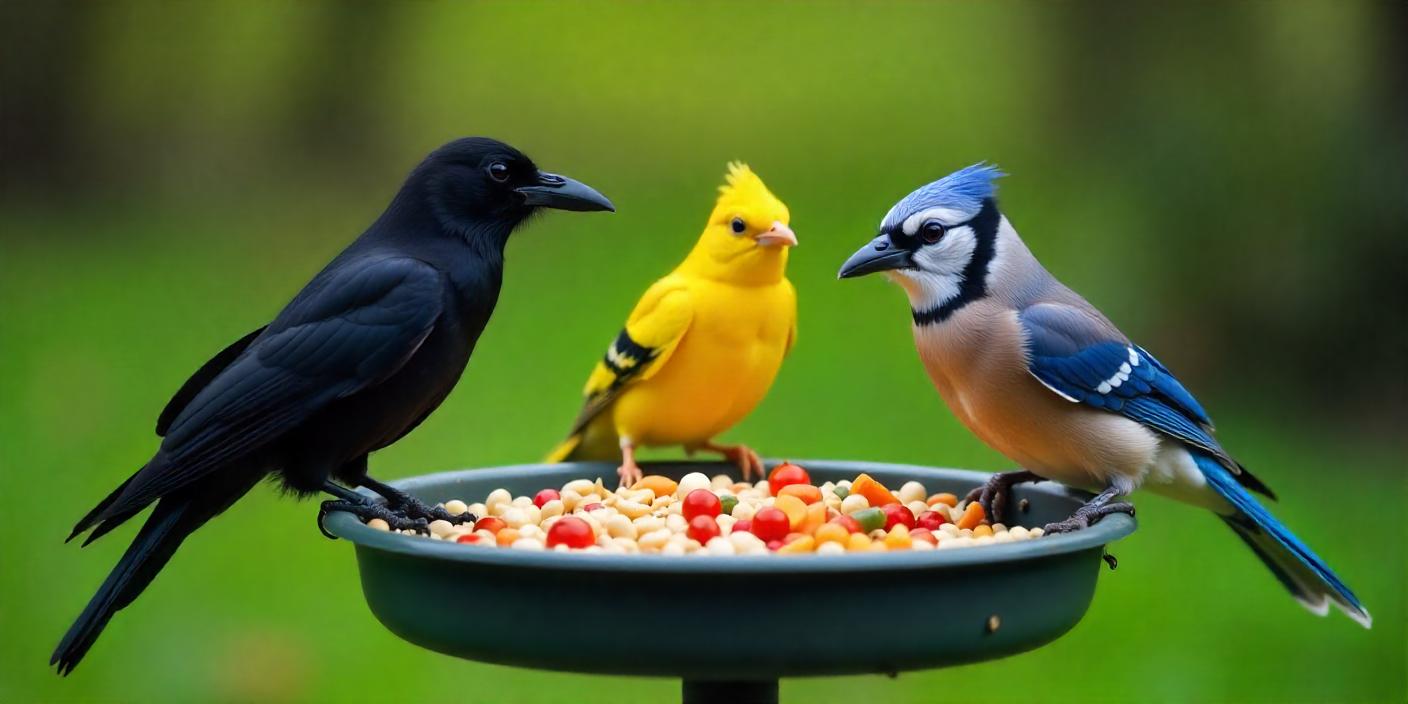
(994, 493)
(629, 471)
(409, 506)
(1091, 512)
(367, 510)
(742, 456)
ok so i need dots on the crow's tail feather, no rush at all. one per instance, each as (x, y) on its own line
(148, 553)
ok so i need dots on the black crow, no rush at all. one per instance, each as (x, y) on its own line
(361, 356)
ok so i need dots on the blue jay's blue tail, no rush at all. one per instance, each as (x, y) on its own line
(1303, 573)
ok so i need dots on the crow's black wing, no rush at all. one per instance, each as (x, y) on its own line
(351, 328)
(203, 376)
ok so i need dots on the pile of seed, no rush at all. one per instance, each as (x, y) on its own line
(699, 515)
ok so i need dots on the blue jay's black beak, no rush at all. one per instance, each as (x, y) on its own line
(562, 193)
(879, 255)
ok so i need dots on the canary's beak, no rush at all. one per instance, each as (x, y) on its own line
(562, 193)
(778, 234)
(880, 255)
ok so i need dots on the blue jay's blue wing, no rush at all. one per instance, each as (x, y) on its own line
(1084, 360)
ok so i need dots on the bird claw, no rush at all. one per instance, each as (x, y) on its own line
(630, 473)
(1086, 516)
(994, 493)
(366, 512)
(748, 461)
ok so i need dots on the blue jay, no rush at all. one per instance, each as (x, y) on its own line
(1043, 377)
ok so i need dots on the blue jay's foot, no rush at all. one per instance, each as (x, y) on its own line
(367, 510)
(410, 507)
(993, 494)
(1091, 512)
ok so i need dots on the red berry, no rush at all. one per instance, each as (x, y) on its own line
(898, 513)
(491, 524)
(786, 474)
(743, 526)
(771, 524)
(467, 538)
(703, 527)
(931, 520)
(700, 502)
(545, 496)
(572, 532)
(774, 544)
(592, 507)
(850, 524)
(923, 534)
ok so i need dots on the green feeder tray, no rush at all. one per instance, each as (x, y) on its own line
(487, 604)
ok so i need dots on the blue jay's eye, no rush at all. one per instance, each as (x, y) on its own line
(738, 226)
(931, 231)
(498, 171)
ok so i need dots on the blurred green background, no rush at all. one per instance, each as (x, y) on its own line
(1226, 181)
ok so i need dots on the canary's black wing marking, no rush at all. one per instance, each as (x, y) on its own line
(203, 376)
(351, 328)
(624, 360)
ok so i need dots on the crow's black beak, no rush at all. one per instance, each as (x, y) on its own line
(879, 255)
(562, 193)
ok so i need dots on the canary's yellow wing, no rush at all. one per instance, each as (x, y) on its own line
(652, 333)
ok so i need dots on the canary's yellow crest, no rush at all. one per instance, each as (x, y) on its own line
(704, 343)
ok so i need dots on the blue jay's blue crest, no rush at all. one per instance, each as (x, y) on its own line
(963, 190)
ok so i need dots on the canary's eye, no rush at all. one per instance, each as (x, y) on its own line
(498, 171)
(931, 231)
(738, 226)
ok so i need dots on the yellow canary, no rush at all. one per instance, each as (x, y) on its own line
(704, 343)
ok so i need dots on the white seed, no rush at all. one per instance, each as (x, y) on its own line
(646, 524)
(721, 482)
(743, 511)
(920, 545)
(619, 526)
(632, 509)
(917, 507)
(653, 540)
(522, 501)
(676, 523)
(949, 529)
(853, 503)
(455, 507)
(486, 538)
(528, 544)
(569, 500)
(440, 528)
(725, 523)
(690, 482)
(580, 487)
(745, 542)
(834, 548)
(479, 510)
(762, 488)
(912, 491)
(515, 517)
(532, 531)
(497, 501)
(720, 546)
(552, 508)
(673, 549)
(378, 524)
(1037, 532)
(1018, 533)
(626, 544)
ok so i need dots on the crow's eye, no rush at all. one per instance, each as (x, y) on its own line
(931, 231)
(498, 171)
(738, 226)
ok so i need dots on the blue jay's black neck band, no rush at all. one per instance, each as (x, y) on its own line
(975, 275)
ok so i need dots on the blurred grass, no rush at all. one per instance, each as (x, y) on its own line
(1221, 181)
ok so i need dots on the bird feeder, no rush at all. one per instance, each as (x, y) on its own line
(488, 604)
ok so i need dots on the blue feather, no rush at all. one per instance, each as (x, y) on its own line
(963, 190)
(1294, 564)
